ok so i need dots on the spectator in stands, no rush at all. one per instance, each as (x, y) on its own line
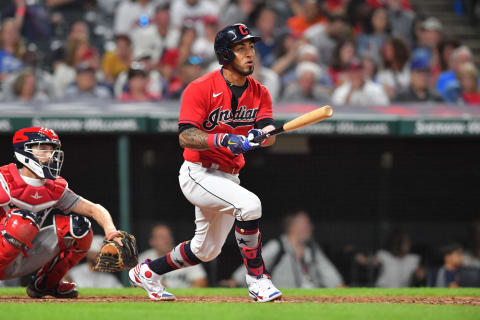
(375, 33)
(431, 33)
(31, 19)
(307, 86)
(398, 267)
(137, 86)
(78, 30)
(325, 36)
(66, 10)
(115, 62)
(189, 71)
(192, 10)
(203, 45)
(85, 277)
(401, 21)
(265, 26)
(77, 50)
(131, 14)
(295, 259)
(11, 49)
(43, 79)
(311, 14)
(447, 83)
(286, 53)
(444, 50)
(161, 242)
(25, 89)
(469, 83)
(370, 63)
(419, 89)
(268, 78)
(167, 67)
(448, 276)
(156, 36)
(341, 57)
(237, 10)
(188, 36)
(358, 13)
(155, 81)
(358, 90)
(305, 52)
(395, 75)
(86, 85)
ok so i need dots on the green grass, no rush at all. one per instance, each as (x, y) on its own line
(412, 292)
(146, 310)
(245, 311)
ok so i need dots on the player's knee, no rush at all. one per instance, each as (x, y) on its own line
(252, 210)
(206, 254)
(77, 228)
(20, 227)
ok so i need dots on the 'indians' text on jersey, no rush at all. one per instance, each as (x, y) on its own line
(206, 104)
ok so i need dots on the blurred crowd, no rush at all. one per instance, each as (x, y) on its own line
(357, 52)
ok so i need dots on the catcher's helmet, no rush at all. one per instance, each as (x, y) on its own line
(25, 139)
(229, 36)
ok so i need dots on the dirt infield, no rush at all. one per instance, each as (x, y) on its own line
(217, 299)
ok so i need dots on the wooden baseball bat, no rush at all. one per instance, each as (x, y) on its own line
(307, 119)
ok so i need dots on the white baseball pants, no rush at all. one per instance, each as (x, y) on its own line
(219, 200)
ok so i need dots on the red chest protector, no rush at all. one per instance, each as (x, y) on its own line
(50, 192)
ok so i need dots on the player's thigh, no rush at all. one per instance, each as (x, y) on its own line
(212, 229)
(212, 190)
(45, 248)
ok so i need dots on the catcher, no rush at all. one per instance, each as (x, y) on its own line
(29, 189)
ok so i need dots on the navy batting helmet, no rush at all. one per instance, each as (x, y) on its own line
(229, 36)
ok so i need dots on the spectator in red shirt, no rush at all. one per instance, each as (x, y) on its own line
(137, 90)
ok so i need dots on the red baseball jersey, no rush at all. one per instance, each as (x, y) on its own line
(206, 104)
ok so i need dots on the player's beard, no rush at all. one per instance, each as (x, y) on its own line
(242, 72)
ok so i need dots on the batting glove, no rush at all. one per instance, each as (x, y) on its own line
(238, 144)
(253, 133)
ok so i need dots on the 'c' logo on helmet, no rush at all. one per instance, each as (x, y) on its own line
(243, 30)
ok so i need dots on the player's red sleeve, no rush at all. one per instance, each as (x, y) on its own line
(193, 106)
(265, 109)
(4, 193)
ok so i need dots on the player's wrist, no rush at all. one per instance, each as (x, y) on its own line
(214, 140)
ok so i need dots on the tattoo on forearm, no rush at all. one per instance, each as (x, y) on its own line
(193, 138)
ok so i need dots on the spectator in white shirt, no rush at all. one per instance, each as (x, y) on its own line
(193, 10)
(307, 86)
(359, 90)
(397, 265)
(129, 14)
(157, 35)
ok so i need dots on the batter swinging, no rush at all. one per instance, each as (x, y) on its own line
(220, 114)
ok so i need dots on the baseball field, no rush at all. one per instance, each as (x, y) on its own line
(213, 304)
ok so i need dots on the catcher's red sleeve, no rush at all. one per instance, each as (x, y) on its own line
(4, 195)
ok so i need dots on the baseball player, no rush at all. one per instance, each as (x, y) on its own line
(29, 189)
(221, 113)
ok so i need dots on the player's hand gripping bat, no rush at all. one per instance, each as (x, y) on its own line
(299, 122)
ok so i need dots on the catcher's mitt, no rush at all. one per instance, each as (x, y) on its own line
(113, 257)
